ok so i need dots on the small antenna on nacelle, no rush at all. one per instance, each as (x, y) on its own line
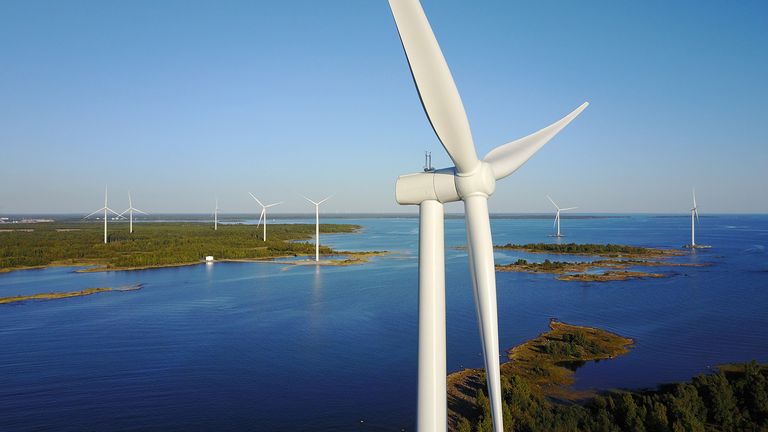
(428, 161)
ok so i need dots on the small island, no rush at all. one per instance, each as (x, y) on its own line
(62, 295)
(154, 245)
(537, 394)
(615, 259)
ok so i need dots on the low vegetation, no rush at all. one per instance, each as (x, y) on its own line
(152, 244)
(578, 271)
(734, 398)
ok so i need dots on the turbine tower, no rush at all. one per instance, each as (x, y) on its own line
(472, 181)
(317, 225)
(130, 211)
(105, 209)
(263, 213)
(557, 216)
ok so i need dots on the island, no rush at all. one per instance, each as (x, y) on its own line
(537, 394)
(157, 244)
(62, 295)
(612, 265)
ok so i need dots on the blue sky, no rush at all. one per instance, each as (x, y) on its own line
(181, 101)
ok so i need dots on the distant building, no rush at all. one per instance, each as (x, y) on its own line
(209, 258)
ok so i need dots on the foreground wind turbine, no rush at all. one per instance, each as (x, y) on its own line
(263, 213)
(317, 225)
(472, 181)
(105, 209)
(557, 215)
(130, 211)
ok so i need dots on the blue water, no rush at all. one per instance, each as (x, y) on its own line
(249, 346)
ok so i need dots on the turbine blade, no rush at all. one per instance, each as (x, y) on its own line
(124, 212)
(260, 217)
(507, 158)
(309, 200)
(553, 203)
(694, 198)
(484, 283)
(257, 200)
(97, 211)
(139, 211)
(568, 208)
(113, 212)
(272, 205)
(434, 83)
(326, 199)
(696, 212)
(130, 204)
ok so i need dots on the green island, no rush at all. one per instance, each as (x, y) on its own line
(616, 259)
(61, 295)
(154, 244)
(537, 395)
(603, 250)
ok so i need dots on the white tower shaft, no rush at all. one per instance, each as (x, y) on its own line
(693, 228)
(317, 232)
(432, 403)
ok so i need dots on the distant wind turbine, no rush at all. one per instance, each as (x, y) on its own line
(105, 209)
(130, 211)
(263, 213)
(557, 215)
(216, 216)
(317, 225)
(695, 213)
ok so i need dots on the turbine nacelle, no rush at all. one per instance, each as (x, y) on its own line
(444, 185)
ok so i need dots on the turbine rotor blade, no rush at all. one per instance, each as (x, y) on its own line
(260, 217)
(310, 200)
(507, 158)
(553, 203)
(97, 211)
(568, 208)
(272, 205)
(257, 200)
(434, 83)
(696, 212)
(326, 199)
(484, 283)
(139, 211)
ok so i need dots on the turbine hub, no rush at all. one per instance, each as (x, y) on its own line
(481, 181)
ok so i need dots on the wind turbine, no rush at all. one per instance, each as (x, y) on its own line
(695, 213)
(216, 216)
(130, 211)
(263, 213)
(317, 225)
(557, 216)
(105, 209)
(472, 181)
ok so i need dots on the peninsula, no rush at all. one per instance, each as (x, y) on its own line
(153, 244)
(537, 394)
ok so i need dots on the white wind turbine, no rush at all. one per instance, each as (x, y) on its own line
(317, 225)
(695, 213)
(263, 213)
(130, 211)
(105, 209)
(472, 181)
(557, 216)
(216, 216)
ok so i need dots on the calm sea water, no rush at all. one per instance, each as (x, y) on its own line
(245, 346)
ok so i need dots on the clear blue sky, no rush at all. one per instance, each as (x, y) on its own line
(184, 100)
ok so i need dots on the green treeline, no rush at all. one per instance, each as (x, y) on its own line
(153, 244)
(735, 398)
